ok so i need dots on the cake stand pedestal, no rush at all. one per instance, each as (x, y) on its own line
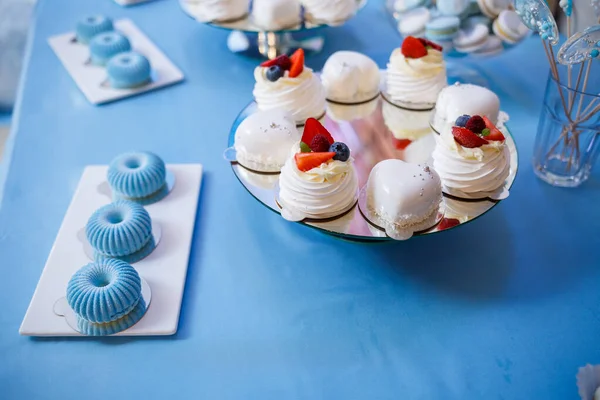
(250, 40)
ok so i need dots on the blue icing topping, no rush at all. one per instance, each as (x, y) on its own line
(110, 328)
(119, 229)
(136, 175)
(89, 27)
(126, 70)
(105, 45)
(104, 291)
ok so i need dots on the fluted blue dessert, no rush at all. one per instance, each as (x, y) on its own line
(104, 291)
(90, 26)
(110, 328)
(106, 45)
(137, 175)
(119, 229)
(128, 70)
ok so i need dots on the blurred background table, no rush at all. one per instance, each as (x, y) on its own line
(506, 307)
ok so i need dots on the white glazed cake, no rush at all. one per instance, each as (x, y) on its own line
(472, 158)
(263, 141)
(276, 15)
(405, 197)
(465, 98)
(350, 77)
(294, 87)
(219, 10)
(319, 180)
(332, 12)
(416, 73)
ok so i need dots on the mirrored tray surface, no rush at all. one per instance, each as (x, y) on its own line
(374, 131)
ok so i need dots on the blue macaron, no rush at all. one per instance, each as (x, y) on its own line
(442, 28)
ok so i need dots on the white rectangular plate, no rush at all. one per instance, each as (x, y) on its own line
(89, 77)
(165, 269)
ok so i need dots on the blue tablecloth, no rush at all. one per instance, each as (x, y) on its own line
(505, 307)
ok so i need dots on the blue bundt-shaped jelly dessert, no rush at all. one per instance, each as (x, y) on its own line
(128, 70)
(110, 328)
(90, 26)
(106, 45)
(104, 291)
(136, 175)
(119, 229)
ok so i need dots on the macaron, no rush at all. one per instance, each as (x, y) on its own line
(509, 28)
(493, 45)
(412, 23)
(493, 8)
(452, 7)
(470, 40)
(442, 28)
(402, 6)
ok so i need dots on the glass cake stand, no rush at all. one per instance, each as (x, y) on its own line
(374, 131)
(460, 67)
(248, 39)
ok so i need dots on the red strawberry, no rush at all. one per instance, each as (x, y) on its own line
(401, 144)
(466, 138)
(282, 61)
(312, 128)
(413, 48)
(447, 223)
(320, 144)
(495, 133)
(308, 161)
(429, 43)
(297, 60)
(475, 124)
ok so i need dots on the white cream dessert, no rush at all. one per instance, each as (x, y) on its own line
(416, 73)
(405, 125)
(219, 10)
(404, 198)
(318, 181)
(350, 77)
(287, 83)
(331, 12)
(465, 98)
(274, 15)
(471, 157)
(263, 141)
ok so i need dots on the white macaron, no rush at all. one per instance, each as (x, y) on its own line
(492, 8)
(412, 23)
(509, 28)
(470, 40)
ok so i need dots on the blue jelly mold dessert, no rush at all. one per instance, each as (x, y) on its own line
(104, 291)
(110, 328)
(121, 228)
(128, 70)
(106, 45)
(90, 26)
(137, 175)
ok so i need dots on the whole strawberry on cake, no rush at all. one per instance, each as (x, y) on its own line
(285, 82)
(471, 157)
(416, 73)
(318, 181)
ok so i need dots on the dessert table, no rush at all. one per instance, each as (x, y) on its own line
(505, 307)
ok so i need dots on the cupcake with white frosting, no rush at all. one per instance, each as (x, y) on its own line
(332, 12)
(285, 82)
(218, 10)
(318, 181)
(472, 158)
(416, 73)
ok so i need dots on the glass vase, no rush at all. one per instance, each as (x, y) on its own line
(568, 135)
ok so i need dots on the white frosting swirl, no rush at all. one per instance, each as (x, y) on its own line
(481, 169)
(323, 192)
(302, 96)
(416, 80)
(331, 12)
(218, 10)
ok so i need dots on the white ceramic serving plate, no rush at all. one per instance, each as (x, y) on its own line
(165, 269)
(90, 78)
